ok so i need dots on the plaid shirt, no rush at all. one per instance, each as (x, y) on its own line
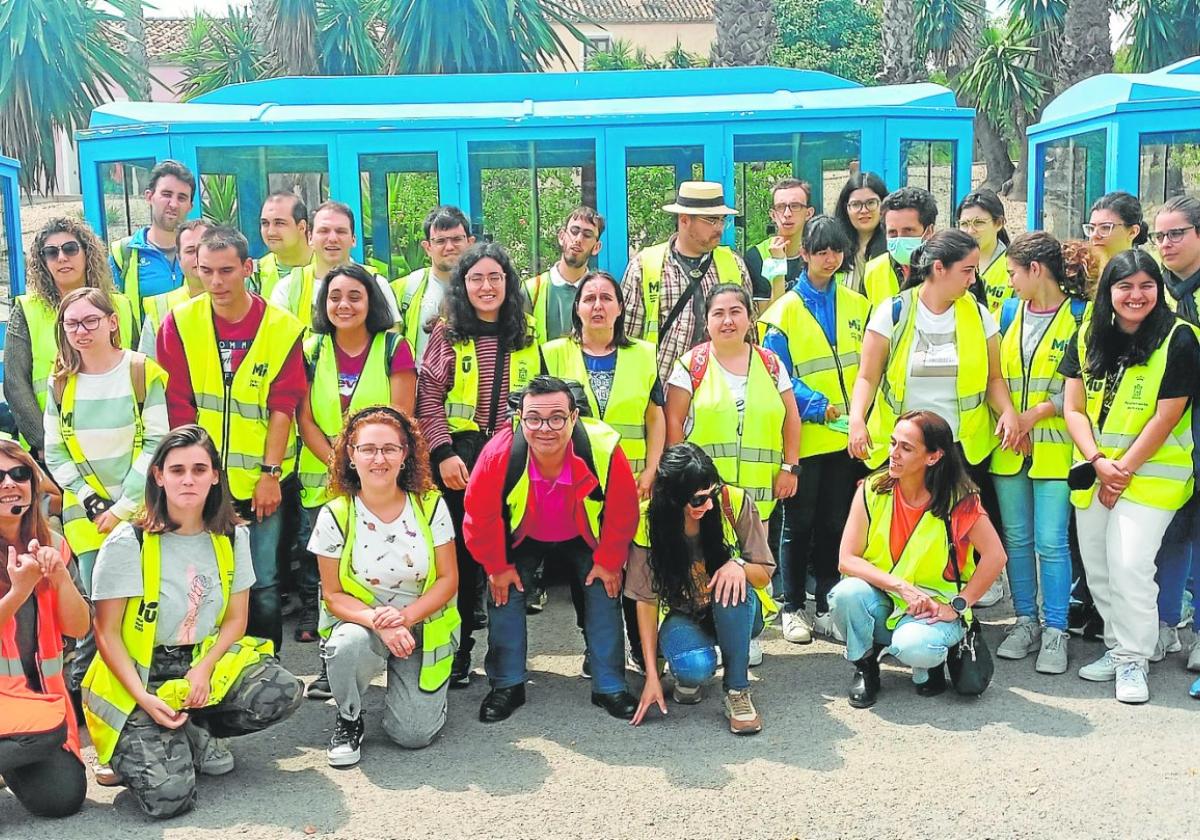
(678, 340)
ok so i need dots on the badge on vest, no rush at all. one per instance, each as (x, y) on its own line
(146, 612)
(467, 363)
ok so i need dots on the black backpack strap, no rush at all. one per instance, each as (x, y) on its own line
(583, 448)
(518, 456)
(140, 534)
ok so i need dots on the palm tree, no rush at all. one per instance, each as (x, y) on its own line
(901, 63)
(346, 37)
(135, 47)
(1086, 45)
(1161, 32)
(59, 63)
(219, 52)
(293, 36)
(746, 32)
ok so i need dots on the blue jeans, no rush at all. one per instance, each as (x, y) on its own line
(1036, 512)
(861, 611)
(1175, 564)
(690, 648)
(266, 612)
(604, 635)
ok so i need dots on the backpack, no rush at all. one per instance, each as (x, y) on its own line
(702, 353)
(518, 457)
(1008, 312)
(137, 377)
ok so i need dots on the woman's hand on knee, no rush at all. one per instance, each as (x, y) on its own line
(728, 584)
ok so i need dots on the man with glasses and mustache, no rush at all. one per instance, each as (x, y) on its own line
(551, 295)
(557, 489)
(665, 284)
(775, 263)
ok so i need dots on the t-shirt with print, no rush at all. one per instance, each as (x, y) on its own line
(350, 368)
(681, 377)
(602, 371)
(933, 361)
(390, 557)
(189, 598)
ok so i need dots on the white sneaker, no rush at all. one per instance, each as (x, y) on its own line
(1193, 663)
(1168, 642)
(1052, 658)
(687, 695)
(796, 628)
(1131, 683)
(755, 653)
(824, 626)
(1022, 639)
(994, 594)
(1102, 670)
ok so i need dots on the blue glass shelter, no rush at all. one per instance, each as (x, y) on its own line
(516, 152)
(1138, 132)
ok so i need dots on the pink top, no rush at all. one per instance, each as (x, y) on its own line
(549, 517)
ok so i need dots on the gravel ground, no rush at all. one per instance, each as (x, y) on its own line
(1035, 757)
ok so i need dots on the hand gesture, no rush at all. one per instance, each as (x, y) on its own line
(832, 412)
(106, 521)
(23, 572)
(778, 247)
(266, 496)
(1112, 474)
(399, 641)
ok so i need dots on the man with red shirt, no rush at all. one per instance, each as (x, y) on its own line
(558, 490)
(236, 368)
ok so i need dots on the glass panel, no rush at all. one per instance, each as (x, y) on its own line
(1072, 177)
(823, 161)
(522, 191)
(652, 175)
(122, 184)
(234, 180)
(929, 164)
(398, 191)
(1168, 165)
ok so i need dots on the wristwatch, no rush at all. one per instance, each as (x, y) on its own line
(794, 469)
(741, 561)
(959, 604)
(273, 470)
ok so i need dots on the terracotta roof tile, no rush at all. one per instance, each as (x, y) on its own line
(165, 36)
(643, 11)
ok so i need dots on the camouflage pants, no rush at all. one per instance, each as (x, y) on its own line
(158, 765)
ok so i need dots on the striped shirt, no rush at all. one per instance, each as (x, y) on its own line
(104, 427)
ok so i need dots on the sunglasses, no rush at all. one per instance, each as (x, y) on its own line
(19, 474)
(700, 499)
(50, 252)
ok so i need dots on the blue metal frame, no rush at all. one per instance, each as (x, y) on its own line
(10, 194)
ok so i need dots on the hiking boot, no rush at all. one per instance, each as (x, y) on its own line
(1102, 670)
(1131, 683)
(1052, 658)
(1168, 642)
(345, 746)
(686, 695)
(796, 628)
(743, 717)
(1022, 639)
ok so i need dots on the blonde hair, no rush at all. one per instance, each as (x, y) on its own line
(68, 361)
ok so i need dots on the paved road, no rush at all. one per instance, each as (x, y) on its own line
(1035, 757)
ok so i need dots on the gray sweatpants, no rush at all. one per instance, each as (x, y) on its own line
(354, 655)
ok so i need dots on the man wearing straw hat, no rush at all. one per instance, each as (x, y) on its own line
(665, 284)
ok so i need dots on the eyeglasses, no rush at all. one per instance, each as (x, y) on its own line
(701, 499)
(972, 224)
(443, 241)
(1103, 230)
(576, 232)
(90, 324)
(715, 221)
(50, 252)
(856, 206)
(1172, 235)
(555, 422)
(789, 207)
(481, 279)
(19, 474)
(390, 451)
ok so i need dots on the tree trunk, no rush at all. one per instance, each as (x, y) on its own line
(261, 14)
(1086, 43)
(746, 32)
(994, 147)
(900, 63)
(135, 48)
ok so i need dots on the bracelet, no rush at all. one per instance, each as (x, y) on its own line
(1096, 457)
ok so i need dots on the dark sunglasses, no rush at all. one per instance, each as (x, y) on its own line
(700, 498)
(19, 473)
(50, 252)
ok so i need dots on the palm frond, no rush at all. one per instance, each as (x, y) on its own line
(942, 27)
(1001, 82)
(293, 36)
(220, 52)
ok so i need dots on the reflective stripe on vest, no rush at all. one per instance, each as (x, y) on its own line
(235, 414)
(752, 460)
(157, 307)
(373, 388)
(440, 631)
(880, 282)
(409, 302)
(300, 294)
(628, 399)
(829, 371)
(975, 425)
(925, 561)
(463, 397)
(1165, 481)
(653, 259)
(1052, 446)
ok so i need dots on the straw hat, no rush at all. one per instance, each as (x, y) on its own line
(700, 198)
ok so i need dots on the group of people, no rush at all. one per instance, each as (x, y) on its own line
(866, 411)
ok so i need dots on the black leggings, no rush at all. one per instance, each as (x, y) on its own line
(47, 779)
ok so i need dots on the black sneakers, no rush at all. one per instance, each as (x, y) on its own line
(345, 747)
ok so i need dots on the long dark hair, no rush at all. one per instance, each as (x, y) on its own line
(1128, 209)
(379, 314)
(219, 515)
(33, 521)
(947, 481)
(1104, 347)
(948, 247)
(620, 339)
(1067, 263)
(462, 324)
(683, 471)
(989, 203)
(877, 244)
(414, 476)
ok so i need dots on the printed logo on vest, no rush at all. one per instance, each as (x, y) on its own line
(467, 363)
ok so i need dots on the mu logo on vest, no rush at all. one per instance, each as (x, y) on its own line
(259, 369)
(467, 363)
(146, 612)
(652, 290)
(856, 328)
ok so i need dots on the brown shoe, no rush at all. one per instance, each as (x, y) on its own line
(744, 719)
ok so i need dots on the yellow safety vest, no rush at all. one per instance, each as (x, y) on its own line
(750, 460)
(300, 294)
(80, 531)
(995, 279)
(107, 704)
(235, 414)
(1165, 481)
(633, 380)
(654, 258)
(463, 396)
(827, 370)
(40, 318)
(975, 428)
(1052, 446)
(157, 307)
(539, 303)
(439, 631)
(408, 301)
(266, 272)
(374, 388)
(736, 497)
(880, 282)
(925, 561)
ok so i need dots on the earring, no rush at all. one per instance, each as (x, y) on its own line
(352, 466)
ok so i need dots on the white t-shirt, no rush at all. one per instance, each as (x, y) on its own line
(933, 362)
(390, 557)
(681, 377)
